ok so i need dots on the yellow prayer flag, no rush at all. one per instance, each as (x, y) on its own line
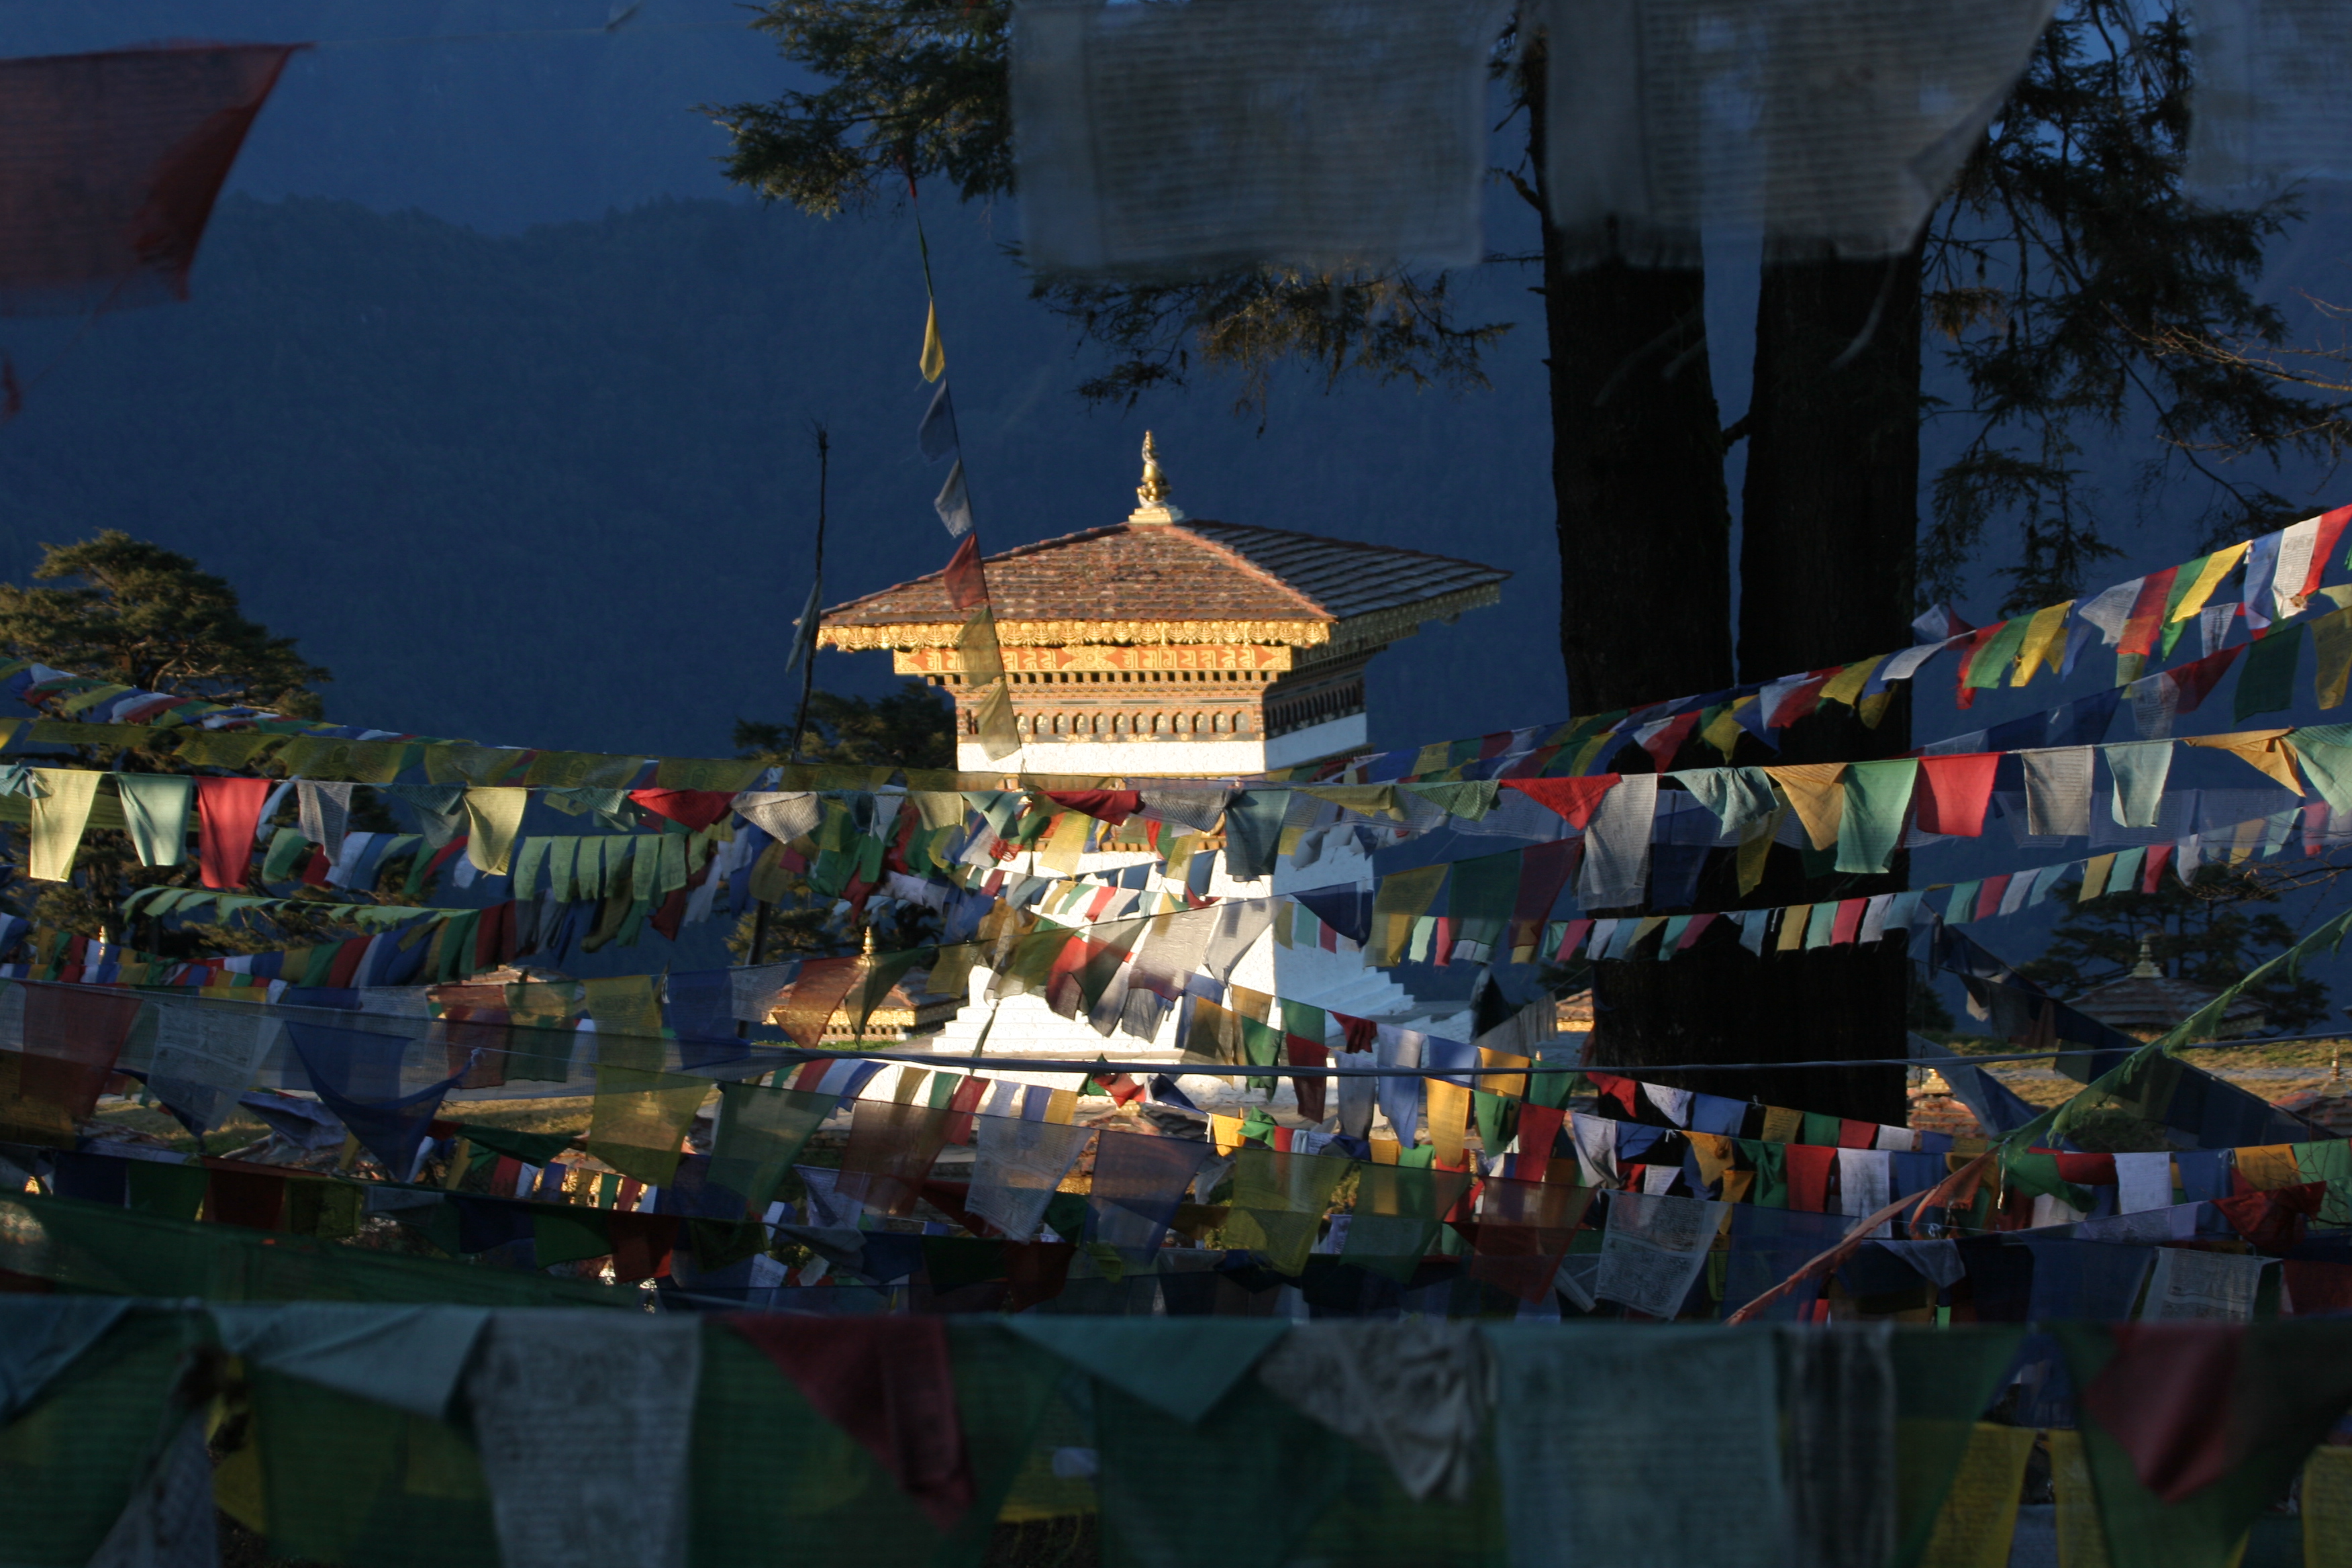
(2269, 1167)
(1846, 685)
(1225, 1132)
(2331, 635)
(935, 350)
(1713, 1151)
(2082, 1537)
(59, 812)
(1384, 1150)
(1812, 790)
(1793, 920)
(1401, 900)
(2326, 1508)
(1723, 732)
(1061, 1107)
(909, 1087)
(1449, 1117)
(2095, 877)
(2045, 642)
(1781, 1124)
(1511, 1087)
(1978, 1518)
(2217, 565)
(2268, 750)
(1064, 841)
(493, 816)
(1874, 706)
(1756, 848)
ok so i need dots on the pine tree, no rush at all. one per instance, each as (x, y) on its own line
(152, 618)
(2205, 932)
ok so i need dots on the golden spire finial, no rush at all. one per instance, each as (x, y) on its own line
(1151, 495)
(869, 941)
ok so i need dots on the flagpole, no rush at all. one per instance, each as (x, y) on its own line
(808, 671)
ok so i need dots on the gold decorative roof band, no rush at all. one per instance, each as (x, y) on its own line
(1047, 634)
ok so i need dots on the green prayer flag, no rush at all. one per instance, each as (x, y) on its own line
(1990, 667)
(1770, 1164)
(1278, 1202)
(1876, 796)
(2266, 682)
(1819, 1131)
(1261, 1046)
(286, 847)
(568, 1234)
(155, 814)
(1397, 1212)
(2329, 1161)
(1943, 1382)
(1482, 894)
(2325, 752)
(760, 1132)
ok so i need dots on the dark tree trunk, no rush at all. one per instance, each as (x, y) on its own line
(1830, 515)
(1637, 474)
(1829, 527)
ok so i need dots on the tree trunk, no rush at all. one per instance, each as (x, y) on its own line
(1830, 523)
(1637, 474)
(1830, 515)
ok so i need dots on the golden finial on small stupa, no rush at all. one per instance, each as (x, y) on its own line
(1153, 491)
(869, 941)
(1151, 495)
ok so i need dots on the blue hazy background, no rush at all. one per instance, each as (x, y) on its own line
(497, 396)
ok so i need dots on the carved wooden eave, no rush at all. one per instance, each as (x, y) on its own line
(1382, 626)
(1068, 634)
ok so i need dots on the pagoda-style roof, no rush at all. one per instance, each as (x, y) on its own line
(1180, 581)
(2148, 1002)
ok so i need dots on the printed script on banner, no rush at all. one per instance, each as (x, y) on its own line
(1054, 660)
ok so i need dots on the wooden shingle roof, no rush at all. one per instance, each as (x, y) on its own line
(1180, 581)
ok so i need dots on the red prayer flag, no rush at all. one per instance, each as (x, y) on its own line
(1303, 1052)
(1809, 1177)
(1575, 799)
(889, 1382)
(229, 815)
(1111, 805)
(695, 809)
(2331, 528)
(967, 584)
(1856, 1135)
(2159, 856)
(2147, 618)
(243, 1196)
(2196, 679)
(1539, 1128)
(1847, 923)
(1953, 792)
(1988, 895)
(109, 163)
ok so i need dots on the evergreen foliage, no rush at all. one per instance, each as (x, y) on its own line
(2208, 933)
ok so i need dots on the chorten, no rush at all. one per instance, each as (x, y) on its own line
(1167, 644)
